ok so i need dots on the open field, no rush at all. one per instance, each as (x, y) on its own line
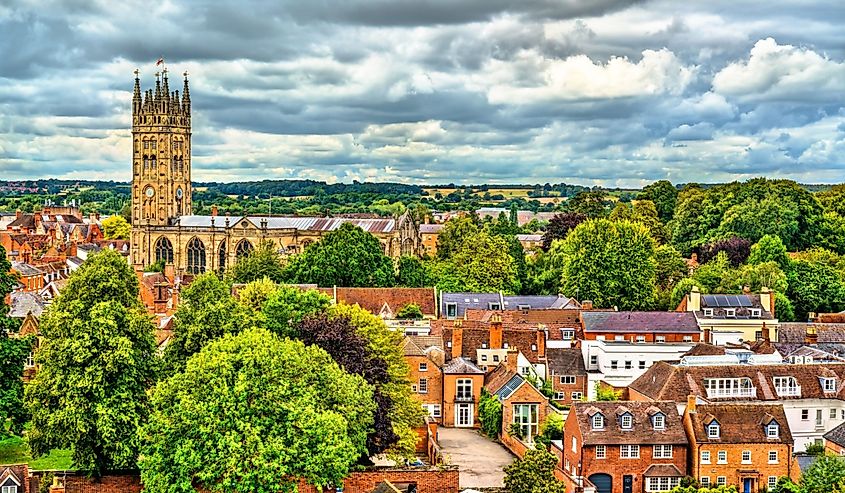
(13, 450)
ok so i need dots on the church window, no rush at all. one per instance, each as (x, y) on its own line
(164, 250)
(243, 249)
(146, 144)
(196, 256)
(221, 256)
(153, 144)
(152, 161)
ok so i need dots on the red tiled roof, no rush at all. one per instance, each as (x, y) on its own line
(740, 423)
(642, 432)
(374, 299)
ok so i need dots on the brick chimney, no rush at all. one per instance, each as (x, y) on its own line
(707, 335)
(18, 214)
(511, 359)
(587, 305)
(214, 210)
(170, 272)
(767, 300)
(496, 331)
(691, 403)
(457, 338)
(694, 300)
(765, 333)
(541, 343)
(811, 336)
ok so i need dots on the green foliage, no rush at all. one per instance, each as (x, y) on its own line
(610, 263)
(785, 485)
(97, 361)
(783, 308)
(664, 195)
(705, 489)
(552, 427)
(755, 276)
(544, 271)
(534, 473)
(116, 228)
(157, 266)
(206, 312)
(826, 474)
(405, 411)
(670, 266)
(287, 306)
(15, 450)
(681, 289)
(250, 413)
(347, 256)
(815, 287)
(594, 204)
(454, 234)
(641, 211)
(262, 262)
(411, 311)
(13, 353)
(412, 273)
(769, 249)
(490, 414)
(255, 294)
(483, 264)
(606, 393)
(814, 448)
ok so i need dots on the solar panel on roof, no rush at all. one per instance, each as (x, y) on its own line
(745, 301)
(509, 387)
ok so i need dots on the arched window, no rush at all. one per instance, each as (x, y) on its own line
(243, 249)
(407, 246)
(164, 250)
(152, 162)
(221, 256)
(196, 256)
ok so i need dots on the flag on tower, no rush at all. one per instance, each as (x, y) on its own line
(160, 61)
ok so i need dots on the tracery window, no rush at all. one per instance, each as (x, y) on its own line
(196, 256)
(164, 250)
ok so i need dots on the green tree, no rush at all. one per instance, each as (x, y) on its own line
(534, 473)
(641, 211)
(253, 412)
(552, 426)
(696, 488)
(825, 475)
(490, 414)
(783, 308)
(610, 263)
(769, 249)
(665, 197)
(453, 235)
(607, 393)
(287, 306)
(815, 287)
(207, 311)
(116, 228)
(13, 352)
(483, 264)
(97, 360)
(347, 256)
(411, 311)
(8, 281)
(255, 294)
(262, 262)
(670, 266)
(412, 273)
(766, 274)
(593, 204)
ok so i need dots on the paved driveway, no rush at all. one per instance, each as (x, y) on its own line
(480, 460)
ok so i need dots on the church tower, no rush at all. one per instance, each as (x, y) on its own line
(161, 154)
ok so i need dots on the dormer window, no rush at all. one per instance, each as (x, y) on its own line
(494, 306)
(483, 345)
(708, 312)
(626, 421)
(730, 312)
(524, 307)
(828, 384)
(714, 430)
(773, 430)
(756, 312)
(597, 421)
(659, 422)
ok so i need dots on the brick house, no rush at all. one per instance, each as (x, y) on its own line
(834, 440)
(568, 374)
(425, 358)
(462, 383)
(13, 479)
(624, 446)
(746, 445)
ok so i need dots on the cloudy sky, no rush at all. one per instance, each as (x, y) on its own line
(604, 92)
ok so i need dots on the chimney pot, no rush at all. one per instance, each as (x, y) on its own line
(213, 210)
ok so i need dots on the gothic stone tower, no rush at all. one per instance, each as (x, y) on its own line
(161, 160)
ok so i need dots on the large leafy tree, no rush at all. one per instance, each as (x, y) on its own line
(769, 249)
(454, 234)
(737, 249)
(348, 256)
(815, 287)
(13, 351)
(116, 228)
(97, 361)
(288, 306)
(664, 195)
(484, 263)
(825, 475)
(559, 227)
(263, 261)
(610, 263)
(593, 204)
(641, 211)
(534, 473)
(252, 413)
(412, 273)
(206, 312)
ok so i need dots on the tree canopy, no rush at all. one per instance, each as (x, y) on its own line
(97, 361)
(560, 225)
(13, 352)
(534, 473)
(262, 262)
(116, 228)
(253, 412)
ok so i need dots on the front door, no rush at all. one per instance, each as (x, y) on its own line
(747, 485)
(627, 484)
(463, 415)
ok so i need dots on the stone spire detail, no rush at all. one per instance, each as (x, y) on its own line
(136, 95)
(186, 97)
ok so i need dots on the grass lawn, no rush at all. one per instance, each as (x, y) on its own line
(13, 450)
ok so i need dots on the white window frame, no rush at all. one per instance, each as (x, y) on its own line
(705, 457)
(660, 339)
(529, 423)
(559, 396)
(601, 452)
(721, 481)
(661, 483)
(773, 429)
(567, 379)
(568, 335)
(626, 421)
(828, 384)
(662, 452)
(658, 422)
(641, 339)
(574, 444)
(772, 482)
(746, 457)
(435, 411)
(722, 457)
(730, 312)
(597, 421)
(805, 415)
(704, 480)
(629, 451)
(576, 396)
(423, 367)
(756, 312)
(642, 365)
(614, 364)
(708, 312)
(714, 430)
(773, 453)
(10, 489)
(422, 386)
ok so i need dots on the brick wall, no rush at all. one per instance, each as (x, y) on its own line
(79, 483)
(734, 471)
(580, 385)
(434, 379)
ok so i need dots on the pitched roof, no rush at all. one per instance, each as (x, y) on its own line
(663, 381)
(462, 366)
(741, 303)
(26, 269)
(513, 383)
(420, 345)
(497, 378)
(431, 228)
(797, 332)
(484, 301)
(647, 322)
(374, 299)
(294, 222)
(566, 361)
(705, 349)
(740, 423)
(24, 302)
(663, 470)
(836, 435)
(642, 432)
(475, 335)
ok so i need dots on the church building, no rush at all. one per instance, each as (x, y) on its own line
(163, 226)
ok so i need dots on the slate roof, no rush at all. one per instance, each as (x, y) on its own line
(825, 351)
(566, 361)
(293, 222)
(796, 332)
(646, 322)
(836, 435)
(431, 228)
(740, 423)
(642, 432)
(24, 302)
(26, 269)
(483, 301)
(663, 470)
(663, 381)
(705, 349)
(742, 303)
(462, 366)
